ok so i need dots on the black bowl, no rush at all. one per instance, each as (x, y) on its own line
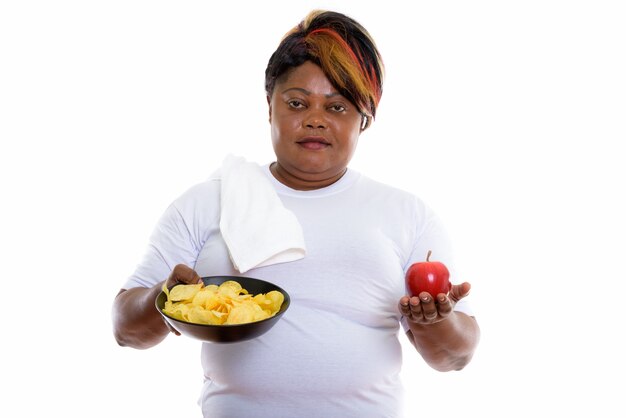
(228, 333)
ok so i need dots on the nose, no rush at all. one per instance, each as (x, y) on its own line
(315, 119)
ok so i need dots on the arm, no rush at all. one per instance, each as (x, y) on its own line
(136, 321)
(444, 338)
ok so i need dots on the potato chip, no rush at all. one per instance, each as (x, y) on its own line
(226, 304)
(241, 314)
(275, 299)
(235, 286)
(207, 299)
(184, 291)
(176, 310)
(199, 315)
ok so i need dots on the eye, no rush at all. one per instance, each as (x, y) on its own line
(295, 104)
(338, 108)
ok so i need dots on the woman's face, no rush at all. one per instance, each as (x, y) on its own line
(315, 129)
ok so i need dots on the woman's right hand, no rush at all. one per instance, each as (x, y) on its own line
(136, 322)
(182, 274)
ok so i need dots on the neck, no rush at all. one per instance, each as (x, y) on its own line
(302, 182)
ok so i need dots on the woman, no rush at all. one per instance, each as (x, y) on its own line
(335, 353)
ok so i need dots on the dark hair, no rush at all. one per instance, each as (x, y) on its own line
(342, 48)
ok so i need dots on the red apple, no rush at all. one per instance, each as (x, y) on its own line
(429, 276)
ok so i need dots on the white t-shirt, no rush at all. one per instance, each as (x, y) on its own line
(335, 352)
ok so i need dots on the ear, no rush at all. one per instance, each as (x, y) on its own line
(269, 106)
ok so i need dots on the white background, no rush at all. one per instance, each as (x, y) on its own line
(507, 117)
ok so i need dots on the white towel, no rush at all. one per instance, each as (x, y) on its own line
(257, 228)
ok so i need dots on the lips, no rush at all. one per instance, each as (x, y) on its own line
(313, 142)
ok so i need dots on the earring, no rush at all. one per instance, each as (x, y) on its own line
(365, 121)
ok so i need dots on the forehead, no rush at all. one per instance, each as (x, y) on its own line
(307, 76)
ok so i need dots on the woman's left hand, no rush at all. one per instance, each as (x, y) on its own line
(426, 309)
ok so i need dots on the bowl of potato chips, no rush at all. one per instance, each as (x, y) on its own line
(223, 309)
